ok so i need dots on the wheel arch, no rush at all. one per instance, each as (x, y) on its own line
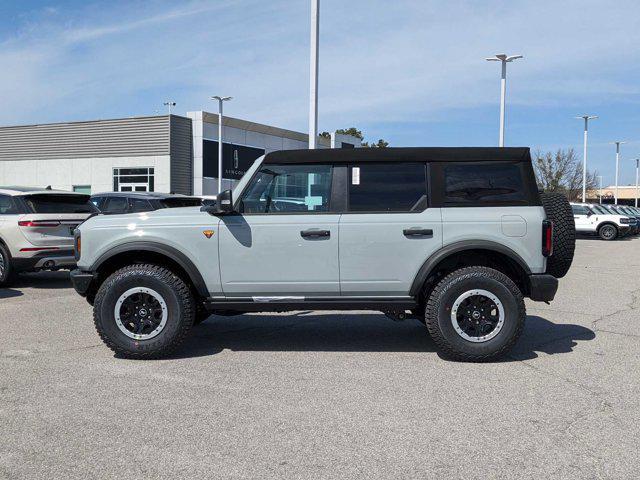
(487, 253)
(144, 252)
(607, 222)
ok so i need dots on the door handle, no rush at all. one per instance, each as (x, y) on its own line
(418, 232)
(314, 233)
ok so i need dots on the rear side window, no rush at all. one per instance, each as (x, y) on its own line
(53, 203)
(180, 202)
(139, 205)
(114, 205)
(477, 184)
(7, 205)
(387, 187)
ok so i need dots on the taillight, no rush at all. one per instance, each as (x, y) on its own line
(38, 223)
(547, 238)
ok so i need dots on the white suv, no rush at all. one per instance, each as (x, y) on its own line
(596, 219)
(36, 229)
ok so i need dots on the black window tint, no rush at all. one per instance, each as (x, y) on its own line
(139, 205)
(7, 205)
(115, 205)
(53, 203)
(482, 183)
(387, 187)
(178, 202)
(289, 188)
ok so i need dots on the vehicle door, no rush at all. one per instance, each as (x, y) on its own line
(388, 229)
(8, 211)
(284, 239)
(582, 218)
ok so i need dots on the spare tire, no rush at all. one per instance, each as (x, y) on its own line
(558, 210)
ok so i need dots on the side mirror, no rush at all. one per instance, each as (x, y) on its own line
(589, 213)
(223, 205)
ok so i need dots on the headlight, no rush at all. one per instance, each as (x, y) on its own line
(624, 220)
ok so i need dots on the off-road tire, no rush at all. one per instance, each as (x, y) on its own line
(608, 232)
(8, 275)
(445, 293)
(558, 210)
(173, 290)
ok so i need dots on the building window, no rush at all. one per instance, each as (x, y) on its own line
(133, 179)
(82, 189)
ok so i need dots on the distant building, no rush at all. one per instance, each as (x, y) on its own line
(626, 195)
(165, 153)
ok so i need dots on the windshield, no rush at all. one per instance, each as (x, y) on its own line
(59, 203)
(600, 209)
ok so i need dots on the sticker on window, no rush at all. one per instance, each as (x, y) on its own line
(355, 176)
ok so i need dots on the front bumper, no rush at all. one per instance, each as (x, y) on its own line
(543, 287)
(81, 281)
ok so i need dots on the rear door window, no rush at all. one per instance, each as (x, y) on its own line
(481, 184)
(181, 202)
(54, 203)
(387, 187)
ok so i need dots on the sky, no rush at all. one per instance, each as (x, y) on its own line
(410, 71)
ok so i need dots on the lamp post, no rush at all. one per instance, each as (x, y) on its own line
(599, 188)
(220, 100)
(170, 105)
(586, 119)
(637, 165)
(617, 144)
(504, 59)
(313, 84)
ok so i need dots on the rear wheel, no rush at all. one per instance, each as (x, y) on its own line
(143, 311)
(608, 232)
(7, 273)
(475, 314)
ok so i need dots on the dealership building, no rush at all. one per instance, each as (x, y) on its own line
(163, 153)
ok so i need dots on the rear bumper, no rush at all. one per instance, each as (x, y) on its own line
(47, 260)
(543, 287)
(81, 281)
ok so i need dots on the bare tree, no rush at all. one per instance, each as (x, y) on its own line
(562, 172)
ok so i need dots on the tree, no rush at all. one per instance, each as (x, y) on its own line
(561, 172)
(354, 132)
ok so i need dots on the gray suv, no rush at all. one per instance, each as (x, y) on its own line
(455, 237)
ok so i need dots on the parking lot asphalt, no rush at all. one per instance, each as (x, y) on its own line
(326, 395)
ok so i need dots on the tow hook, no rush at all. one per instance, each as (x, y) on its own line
(396, 315)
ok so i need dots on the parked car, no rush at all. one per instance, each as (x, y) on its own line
(455, 237)
(112, 203)
(36, 229)
(614, 210)
(631, 213)
(598, 220)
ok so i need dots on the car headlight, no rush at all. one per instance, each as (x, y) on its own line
(624, 220)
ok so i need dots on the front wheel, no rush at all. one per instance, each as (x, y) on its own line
(475, 314)
(608, 232)
(143, 311)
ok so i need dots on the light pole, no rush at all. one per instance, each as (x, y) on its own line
(599, 188)
(637, 165)
(617, 144)
(501, 57)
(220, 100)
(586, 119)
(170, 105)
(313, 84)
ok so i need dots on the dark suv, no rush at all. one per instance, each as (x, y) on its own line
(113, 203)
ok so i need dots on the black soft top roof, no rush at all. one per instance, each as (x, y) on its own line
(407, 154)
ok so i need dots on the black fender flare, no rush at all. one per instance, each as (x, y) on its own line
(457, 247)
(155, 247)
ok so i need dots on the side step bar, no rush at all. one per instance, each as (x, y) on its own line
(288, 303)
